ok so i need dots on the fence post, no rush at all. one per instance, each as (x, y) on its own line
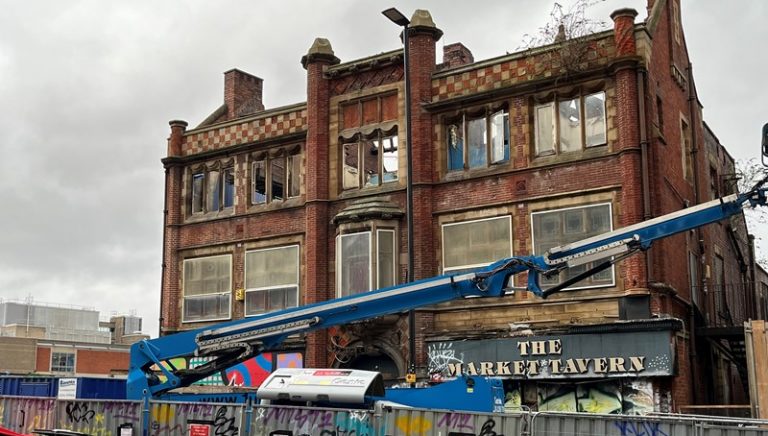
(246, 417)
(145, 421)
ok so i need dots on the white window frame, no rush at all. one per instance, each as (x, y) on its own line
(378, 256)
(476, 265)
(339, 266)
(184, 296)
(267, 288)
(74, 362)
(610, 220)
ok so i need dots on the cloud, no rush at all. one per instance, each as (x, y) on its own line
(87, 90)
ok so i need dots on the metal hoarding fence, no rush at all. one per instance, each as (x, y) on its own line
(25, 414)
(209, 419)
(97, 417)
(290, 420)
(122, 418)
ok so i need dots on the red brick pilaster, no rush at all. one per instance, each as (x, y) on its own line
(316, 283)
(628, 142)
(422, 37)
(170, 294)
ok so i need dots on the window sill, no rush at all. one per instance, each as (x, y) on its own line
(371, 190)
(571, 156)
(276, 205)
(495, 168)
(197, 217)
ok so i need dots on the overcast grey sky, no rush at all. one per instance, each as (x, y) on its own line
(87, 89)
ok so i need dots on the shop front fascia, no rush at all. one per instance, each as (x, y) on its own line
(607, 368)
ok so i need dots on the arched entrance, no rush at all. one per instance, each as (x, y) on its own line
(374, 358)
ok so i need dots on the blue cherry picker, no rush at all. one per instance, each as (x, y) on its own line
(152, 374)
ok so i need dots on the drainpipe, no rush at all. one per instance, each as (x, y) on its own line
(694, 159)
(645, 177)
(162, 261)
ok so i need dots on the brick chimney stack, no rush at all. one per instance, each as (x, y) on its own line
(624, 31)
(456, 55)
(242, 93)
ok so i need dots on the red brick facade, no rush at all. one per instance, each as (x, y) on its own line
(644, 168)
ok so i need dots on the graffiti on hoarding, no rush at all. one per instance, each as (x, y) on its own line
(79, 412)
(224, 425)
(304, 422)
(640, 428)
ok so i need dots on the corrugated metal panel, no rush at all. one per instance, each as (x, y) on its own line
(267, 420)
(427, 423)
(97, 417)
(9, 386)
(173, 419)
(574, 424)
(101, 388)
(23, 415)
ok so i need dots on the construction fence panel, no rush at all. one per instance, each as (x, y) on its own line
(732, 429)
(404, 421)
(558, 424)
(98, 417)
(173, 418)
(25, 414)
(295, 421)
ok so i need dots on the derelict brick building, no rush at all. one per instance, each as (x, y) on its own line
(278, 207)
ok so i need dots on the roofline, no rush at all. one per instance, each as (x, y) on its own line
(264, 114)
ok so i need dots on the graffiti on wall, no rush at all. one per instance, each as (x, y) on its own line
(250, 373)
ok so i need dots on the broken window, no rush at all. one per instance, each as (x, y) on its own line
(212, 189)
(487, 139)
(370, 161)
(275, 176)
(580, 123)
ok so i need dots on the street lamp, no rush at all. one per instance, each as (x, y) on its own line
(398, 18)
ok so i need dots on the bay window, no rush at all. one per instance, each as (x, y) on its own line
(355, 258)
(558, 227)
(207, 288)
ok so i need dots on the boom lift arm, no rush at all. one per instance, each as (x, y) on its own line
(229, 343)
